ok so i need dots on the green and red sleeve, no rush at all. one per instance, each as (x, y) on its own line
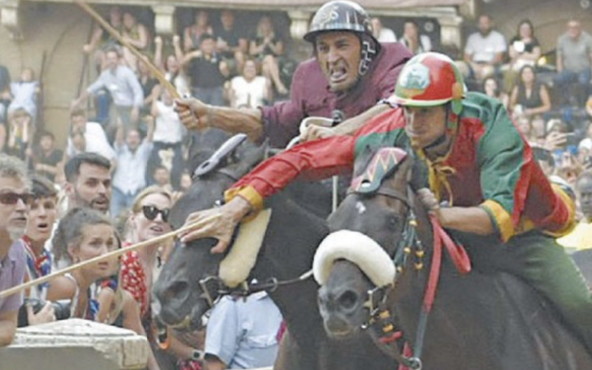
(517, 194)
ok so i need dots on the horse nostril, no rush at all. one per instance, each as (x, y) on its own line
(348, 300)
(177, 290)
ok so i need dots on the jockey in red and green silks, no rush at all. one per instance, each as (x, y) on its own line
(500, 205)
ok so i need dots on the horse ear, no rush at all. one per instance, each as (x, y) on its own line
(363, 159)
(246, 157)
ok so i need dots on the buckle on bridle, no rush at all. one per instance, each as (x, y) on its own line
(376, 301)
(210, 286)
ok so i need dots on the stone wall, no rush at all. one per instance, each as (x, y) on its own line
(75, 344)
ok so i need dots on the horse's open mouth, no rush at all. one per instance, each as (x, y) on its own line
(338, 328)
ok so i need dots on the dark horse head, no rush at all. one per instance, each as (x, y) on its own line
(355, 262)
(182, 302)
(475, 318)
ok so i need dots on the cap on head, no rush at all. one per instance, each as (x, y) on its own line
(430, 79)
(339, 15)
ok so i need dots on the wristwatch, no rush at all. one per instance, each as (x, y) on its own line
(197, 355)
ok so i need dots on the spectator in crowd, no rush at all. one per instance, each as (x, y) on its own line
(171, 67)
(574, 56)
(81, 235)
(88, 182)
(5, 95)
(42, 217)
(485, 49)
(249, 90)
(147, 82)
(130, 174)
(193, 33)
(242, 333)
(413, 40)
(267, 47)
(492, 88)
(46, 157)
(14, 202)
(585, 146)
(93, 137)
(544, 159)
(20, 133)
(230, 43)
(185, 182)
(581, 236)
(101, 40)
(147, 219)
(358, 74)
(207, 71)
(381, 33)
(125, 90)
(524, 49)
(25, 93)
(161, 177)
(136, 35)
(168, 138)
(529, 97)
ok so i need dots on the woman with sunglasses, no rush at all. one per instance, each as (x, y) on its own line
(148, 219)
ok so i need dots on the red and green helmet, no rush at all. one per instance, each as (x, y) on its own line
(430, 79)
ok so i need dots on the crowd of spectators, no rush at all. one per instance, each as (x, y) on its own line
(550, 103)
(121, 171)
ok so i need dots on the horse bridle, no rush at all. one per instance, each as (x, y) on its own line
(213, 288)
(381, 322)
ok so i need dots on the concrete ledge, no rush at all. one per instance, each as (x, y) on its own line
(75, 344)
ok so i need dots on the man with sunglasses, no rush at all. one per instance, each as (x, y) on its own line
(88, 181)
(14, 203)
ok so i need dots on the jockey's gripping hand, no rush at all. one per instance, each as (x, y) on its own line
(431, 204)
(314, 132)
(221, 224)
(193, 113)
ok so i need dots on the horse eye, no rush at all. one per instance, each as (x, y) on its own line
(393, 221)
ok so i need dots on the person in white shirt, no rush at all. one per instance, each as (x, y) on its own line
(413, 40)
(168, 135)
(95, 139)
(485, 49)
(124, 87)
(130, 175)
(381, 33)
(249, 90)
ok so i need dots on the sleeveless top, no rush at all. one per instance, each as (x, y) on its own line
(534, 100)
(90, 312)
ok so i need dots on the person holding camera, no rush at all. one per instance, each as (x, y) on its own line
(14, 204)
(42, 217)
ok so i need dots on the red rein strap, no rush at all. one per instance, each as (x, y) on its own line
(460, 259)
(456, 252)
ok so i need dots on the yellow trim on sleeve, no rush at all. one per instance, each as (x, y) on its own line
(248, 193)
(502, 219)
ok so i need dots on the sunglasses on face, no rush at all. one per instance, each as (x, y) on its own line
(151, 212)
(11, 198)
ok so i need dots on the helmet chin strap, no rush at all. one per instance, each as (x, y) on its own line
(442, 138)
(369, 50)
